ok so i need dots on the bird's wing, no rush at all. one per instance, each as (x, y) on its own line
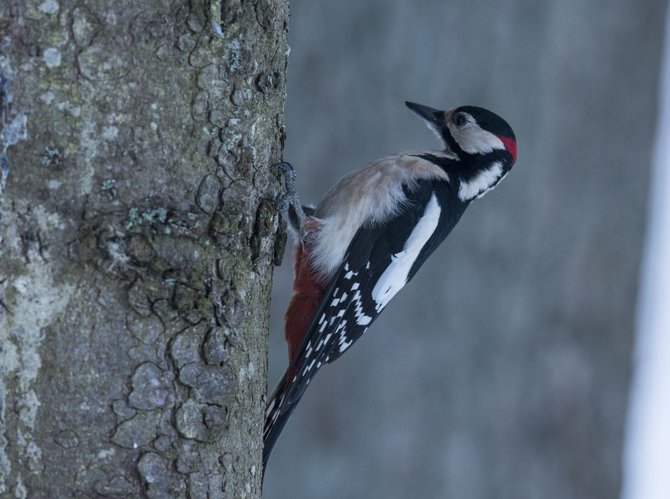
(379, 261)
(375, 267)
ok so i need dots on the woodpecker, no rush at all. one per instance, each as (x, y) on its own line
(370, 234)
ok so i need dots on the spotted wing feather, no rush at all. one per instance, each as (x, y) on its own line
(349, 306)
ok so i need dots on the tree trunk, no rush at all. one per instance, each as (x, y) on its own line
(138, 238)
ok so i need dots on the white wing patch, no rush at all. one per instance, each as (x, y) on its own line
(395, 276)
(361, 318)
(482, 183)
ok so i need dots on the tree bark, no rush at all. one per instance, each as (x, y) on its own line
(137, 240)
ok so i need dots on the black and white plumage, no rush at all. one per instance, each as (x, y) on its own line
(371, 234)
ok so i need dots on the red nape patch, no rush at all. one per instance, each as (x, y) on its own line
(510, 145)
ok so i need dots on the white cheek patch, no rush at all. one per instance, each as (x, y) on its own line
(474, 140)
(395, 276)
(483, 182)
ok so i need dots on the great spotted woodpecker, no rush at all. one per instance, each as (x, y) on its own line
(370, 234)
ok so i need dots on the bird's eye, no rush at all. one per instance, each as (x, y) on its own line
(459, 119)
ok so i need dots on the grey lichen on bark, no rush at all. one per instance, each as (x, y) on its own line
(138, 235)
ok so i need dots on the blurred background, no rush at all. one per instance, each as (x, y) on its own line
(503, 369)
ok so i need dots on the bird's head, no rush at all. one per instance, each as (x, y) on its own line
(483, 143)
(470, 131)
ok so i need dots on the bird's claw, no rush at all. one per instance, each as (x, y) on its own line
(289, 205)
(282, 204)
(289, 175)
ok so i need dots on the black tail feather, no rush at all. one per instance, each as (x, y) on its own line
(277, 413)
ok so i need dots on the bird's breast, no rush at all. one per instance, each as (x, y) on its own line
(371, 195)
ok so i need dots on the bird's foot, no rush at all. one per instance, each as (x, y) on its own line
(289, 205)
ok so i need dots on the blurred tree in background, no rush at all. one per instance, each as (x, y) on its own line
(502, 370)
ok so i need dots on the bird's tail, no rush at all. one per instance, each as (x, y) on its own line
(277, 412)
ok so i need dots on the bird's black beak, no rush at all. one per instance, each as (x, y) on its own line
(432, 116)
